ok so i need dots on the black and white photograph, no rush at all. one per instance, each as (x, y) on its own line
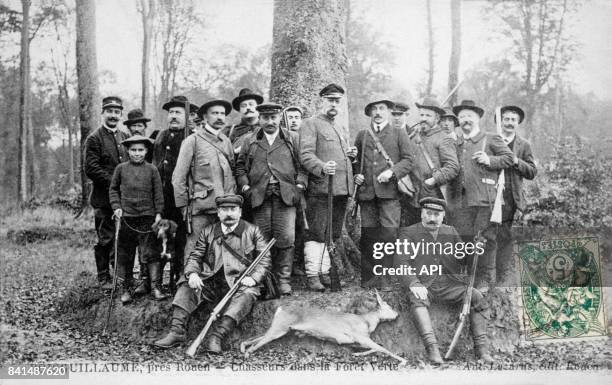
(291, 191)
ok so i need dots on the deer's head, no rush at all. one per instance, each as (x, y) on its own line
(385, 311)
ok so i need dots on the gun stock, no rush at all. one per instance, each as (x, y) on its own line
(193, 348)
(496, 213)
(333, 271)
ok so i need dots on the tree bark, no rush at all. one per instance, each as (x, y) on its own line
(430, 51)
(25, 102)
(308, 51)
(147, 10)
(455, 57)
(87, 73)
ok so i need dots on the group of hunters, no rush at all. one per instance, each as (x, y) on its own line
(230, 189)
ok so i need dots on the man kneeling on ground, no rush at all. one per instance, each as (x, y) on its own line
(222, 253)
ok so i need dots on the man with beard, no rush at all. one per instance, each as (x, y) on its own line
(449, 286)
(103, 152)
(523, 167)
(245, 103)
(213, 267)
(378, 146)
(165, 153)
(324, 151)
(472, 194)
(204, 169)
(268, 173)
(293, 118)
(435, 156)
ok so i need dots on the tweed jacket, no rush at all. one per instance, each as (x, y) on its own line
(524, 169)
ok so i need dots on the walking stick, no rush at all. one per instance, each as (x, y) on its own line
(333, 270)
(112, 296)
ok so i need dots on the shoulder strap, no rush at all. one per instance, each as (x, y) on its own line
(215, 146)
(245, 261)
(426, 155)
(484, 143)
(380, 148)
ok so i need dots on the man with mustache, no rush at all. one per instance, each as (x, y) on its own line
(165, 153)
(223, 252)
(378, 194)
(523, 167)
(472, 194)
(246, 104)
(324, 151)
(103, 152)
(204, 169)
(448, 286)
(269, 175)
(435, 156)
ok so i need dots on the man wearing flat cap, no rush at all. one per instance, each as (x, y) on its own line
(269, 175)
(103, 152)
(292, 118)
(472, 194)
(399, 116)
(223, 252)
(523, 167)
(385, 151)
(435, 156)
(324, 151)
(449, 286)
(204, 169)
(165, 153)
(246, 104)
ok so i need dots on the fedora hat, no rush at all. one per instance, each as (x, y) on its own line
(387, 102)
(136, 116)
(430, 103)
(217, 102)
(468, 105)
(449, 114)
(246, 94)
(179, 101)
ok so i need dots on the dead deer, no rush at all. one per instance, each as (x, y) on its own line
(341, 328)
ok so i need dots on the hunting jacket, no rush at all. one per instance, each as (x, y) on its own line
(524, 169)
(165, 153)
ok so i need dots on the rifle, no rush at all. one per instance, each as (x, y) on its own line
(451, 93)
(467, 301)
(354, 197)
(193, 348)
(303, 208)
(496, 213)
(333, 270)
(189, 212)
(116, 247)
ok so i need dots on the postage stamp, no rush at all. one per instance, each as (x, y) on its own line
(561, 288)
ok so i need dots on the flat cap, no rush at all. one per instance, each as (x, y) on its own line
(294, 108)
(400, 108)
(269, 108)
(332, 91)
(112, 102)
(229, 200)
(433, 203)
(137, 139)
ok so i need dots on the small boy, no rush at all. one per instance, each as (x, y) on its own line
(136, 197)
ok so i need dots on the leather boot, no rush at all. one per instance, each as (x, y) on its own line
(325, 280)
(101, 254)
(144, 287)
(126, 294)
(314, 283)
(155, 274)
(478, 325)
(284, 263)
(177, 333)
(222, 330)
(421, 318)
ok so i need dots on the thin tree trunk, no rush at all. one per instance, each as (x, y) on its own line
(455, 57)
(430, 53)
(87, 72)
(25, 102)
(148, 8)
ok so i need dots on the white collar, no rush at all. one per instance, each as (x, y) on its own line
(509, 139)
(271, 137)
(227, 230)
(210, 129)
(381, 125)
(113, 130)
(475, 132)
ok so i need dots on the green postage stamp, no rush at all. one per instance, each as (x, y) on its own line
(561, 289)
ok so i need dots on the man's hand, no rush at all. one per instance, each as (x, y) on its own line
(248, 282)
(419, 291)
(351, 152)
(329, 168)
(430, 182)
(385, 176)
(515, 160)
(118, 213)
(158, 218)
(300, 187)
(482, 158)
(237, 150)
(359, 179)
(195, 282)
(245, 188)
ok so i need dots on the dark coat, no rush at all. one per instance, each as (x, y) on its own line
(397, 145)
(258, 161)
(525, 169)
(136, 189)
(103, 152)
(165, 153)
(450, 264)
(209, 256)
(476, 185)
(238, 133)
(321, 141)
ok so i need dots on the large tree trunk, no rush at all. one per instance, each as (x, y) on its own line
(87, 72)
(308, 51)
(455, 58)
(147, 9)
(430, 50)
(25, 102)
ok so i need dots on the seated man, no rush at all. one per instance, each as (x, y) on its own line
(212, 257)
(449, 286)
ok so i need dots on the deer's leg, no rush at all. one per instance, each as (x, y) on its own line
(271, 335)
(366, 342)
(365, 353)
(249, 342)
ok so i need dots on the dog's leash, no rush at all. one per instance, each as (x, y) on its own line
(135, 230)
